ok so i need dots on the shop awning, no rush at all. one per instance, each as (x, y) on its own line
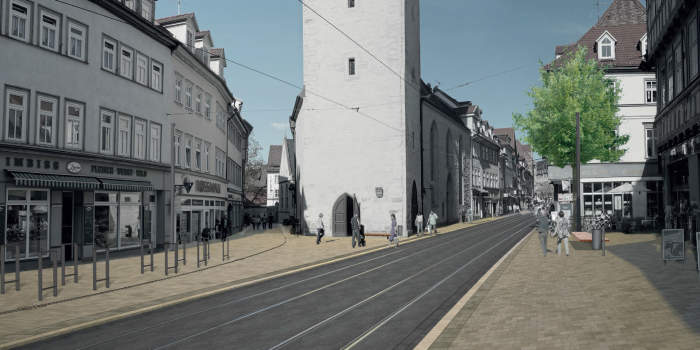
(126, 186)
(480, 192)
(55, 181)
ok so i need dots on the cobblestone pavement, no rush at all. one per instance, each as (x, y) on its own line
(253, 256)
(626, 300)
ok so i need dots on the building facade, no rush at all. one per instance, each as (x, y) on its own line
(85, 126)
(628, 190)
(274, 159)
(339, 170)
(673, 50)
(209, 135)
(485, 165)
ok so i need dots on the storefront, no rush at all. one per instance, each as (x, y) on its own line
(204, 207)
(47, 202)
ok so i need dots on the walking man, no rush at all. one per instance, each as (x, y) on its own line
(543, 228)
(562, 230)
(355, 224)
(320, 228)
(432, 222)
(419, 224)
(393, 235)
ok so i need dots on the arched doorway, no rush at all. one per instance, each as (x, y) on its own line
(414, 208)
(343, 210)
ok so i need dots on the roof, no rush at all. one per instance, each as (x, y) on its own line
(291, 154)
(202, 34)
(217, 53)
(510, 132)
(625, 20)
(176, 19)
(274, 157)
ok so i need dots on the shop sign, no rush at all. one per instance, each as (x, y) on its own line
(73, 167)
(673, 244)
(207, 187)
(566, 197)
(108, 170)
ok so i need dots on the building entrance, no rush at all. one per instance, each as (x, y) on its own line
(343, 210)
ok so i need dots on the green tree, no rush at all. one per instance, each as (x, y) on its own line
(574, 84)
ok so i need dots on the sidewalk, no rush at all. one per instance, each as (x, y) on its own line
(254, 255)
(626, 300)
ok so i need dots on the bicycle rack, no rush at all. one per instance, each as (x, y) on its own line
(40, 276)
(225, 255)
(150, 250)
(62, 249)
(94, 268)
(205, 252)
(166, 248)
(16, 281)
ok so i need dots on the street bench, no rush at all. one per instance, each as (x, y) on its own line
(585, 237)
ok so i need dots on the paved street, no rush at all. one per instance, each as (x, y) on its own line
(381, 300)
(628, 299)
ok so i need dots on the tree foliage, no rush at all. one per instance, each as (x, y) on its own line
(574, 84)
(255, 172)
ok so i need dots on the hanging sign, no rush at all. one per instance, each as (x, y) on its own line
(673, 244)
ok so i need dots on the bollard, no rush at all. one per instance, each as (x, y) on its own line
(40, 284)
(2, 269)
(225, 254)
(63, 263)
(150, 248)
(55, 274)
(198, 260)
(184, 253)
(40, 274)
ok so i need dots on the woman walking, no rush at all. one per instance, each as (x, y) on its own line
(393, 237)
(419, 224)
(562, 231)
(432, 222)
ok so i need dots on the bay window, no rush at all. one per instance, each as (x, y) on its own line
(16, 115)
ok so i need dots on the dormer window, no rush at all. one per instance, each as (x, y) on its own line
(643, 45)
(606, 47)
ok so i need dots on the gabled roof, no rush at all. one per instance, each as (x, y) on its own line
(510, 132)
(625, 20)
(166, 21)
(202, 34)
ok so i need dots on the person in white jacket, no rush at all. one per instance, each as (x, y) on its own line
(320, 228)
(419, 224)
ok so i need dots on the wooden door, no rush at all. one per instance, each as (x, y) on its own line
(340, 217)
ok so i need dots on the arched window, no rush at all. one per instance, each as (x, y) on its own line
(433, 151)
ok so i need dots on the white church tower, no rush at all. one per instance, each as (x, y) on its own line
(366, 157)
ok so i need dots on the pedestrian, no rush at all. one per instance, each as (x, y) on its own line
(432, 221)
(419, 224)
(393, 237)
(355, 226)
(269, 220)
(562, 230)
(543, 228)
(320, 228)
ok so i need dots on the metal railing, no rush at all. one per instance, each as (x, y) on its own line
(205, 252)
(225, 254)
(62, 249)
(166, 248)
(94, 268)
(53, 255)
(2, 269)
(150, 251)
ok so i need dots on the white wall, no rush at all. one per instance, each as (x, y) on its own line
(336, 148)
(634, 113)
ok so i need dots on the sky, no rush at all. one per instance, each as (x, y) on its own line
(496, 44)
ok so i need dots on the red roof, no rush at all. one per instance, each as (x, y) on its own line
(625, 20)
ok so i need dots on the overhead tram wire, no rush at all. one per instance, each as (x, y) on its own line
(255, 70)
(487, 77)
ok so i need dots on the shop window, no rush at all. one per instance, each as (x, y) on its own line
(27, 222)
